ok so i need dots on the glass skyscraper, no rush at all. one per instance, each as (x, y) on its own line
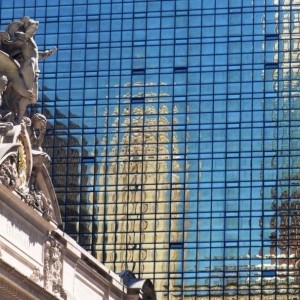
(173, 132)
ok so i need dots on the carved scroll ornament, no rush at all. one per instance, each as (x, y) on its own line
(53, 266)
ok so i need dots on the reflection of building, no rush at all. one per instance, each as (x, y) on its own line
(227, 71)
(141, 192)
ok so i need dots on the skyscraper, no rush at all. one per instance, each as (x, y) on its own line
(175, 138)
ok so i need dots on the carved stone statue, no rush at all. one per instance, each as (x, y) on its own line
(19, 57)
(22, 159)
(4, 126)
(37, 131)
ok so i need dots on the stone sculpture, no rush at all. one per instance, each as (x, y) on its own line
(37, 131)
(4, 126)
(23, 162)
(19, 57)
(22, 159)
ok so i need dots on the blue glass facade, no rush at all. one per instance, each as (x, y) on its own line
(173, 132)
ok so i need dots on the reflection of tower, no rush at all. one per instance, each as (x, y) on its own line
(141, 191)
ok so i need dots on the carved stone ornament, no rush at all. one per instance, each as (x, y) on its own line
(36, 275)
(53, 266)
(41, 202)
(8, 172)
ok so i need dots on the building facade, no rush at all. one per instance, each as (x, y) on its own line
(174, 137)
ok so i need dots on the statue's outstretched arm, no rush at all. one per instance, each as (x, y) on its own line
(47, 53)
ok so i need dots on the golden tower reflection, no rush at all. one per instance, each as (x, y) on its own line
(142, 192)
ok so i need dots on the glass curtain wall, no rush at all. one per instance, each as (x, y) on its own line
(173, 132)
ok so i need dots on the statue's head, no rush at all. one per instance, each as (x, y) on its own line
(39, 123)
(30, 25)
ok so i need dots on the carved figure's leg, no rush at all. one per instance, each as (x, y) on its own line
(22, 108)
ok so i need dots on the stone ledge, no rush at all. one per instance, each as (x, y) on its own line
(18, 286)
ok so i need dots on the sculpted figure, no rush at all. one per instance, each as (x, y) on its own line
(37, 131)
(19, 61)
(23, 160)
(4, 126)
(22, 47)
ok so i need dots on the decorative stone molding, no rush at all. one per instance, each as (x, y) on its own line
(14, 285)
(53, 266)
(36, 275)
(9, 172)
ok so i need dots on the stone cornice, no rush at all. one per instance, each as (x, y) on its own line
(19, 287)
(85, 263)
